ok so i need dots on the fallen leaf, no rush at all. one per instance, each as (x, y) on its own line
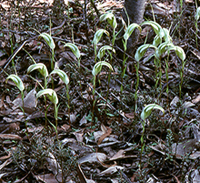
(196, 100)
(10, 137)
(108, 132)
(111, 170)
(92, 158)
(54, 166)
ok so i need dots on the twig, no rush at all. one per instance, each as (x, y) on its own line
(21, 46)
(113, 108)
(86, 20)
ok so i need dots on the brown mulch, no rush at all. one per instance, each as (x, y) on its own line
(97, 141)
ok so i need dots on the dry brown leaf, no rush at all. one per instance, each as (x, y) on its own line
(130, 115)
(5, 157)
(79, 136)
(184, 147)
(10, 137)
(111, 170)
(65, 127)
(92, 158)
(108, 132)
(2, 62)
(50, 178)
(54, 166)
(196, 100)
(13, 127)
(119, 154)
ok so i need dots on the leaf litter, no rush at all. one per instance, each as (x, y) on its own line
(105, 147)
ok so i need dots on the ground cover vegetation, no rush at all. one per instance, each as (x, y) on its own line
(75, 107)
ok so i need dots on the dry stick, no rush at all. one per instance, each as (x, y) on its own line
(119, 100)
(21, 46)
(15, 53)
(113, 108)
(86, 20)
(125, 177)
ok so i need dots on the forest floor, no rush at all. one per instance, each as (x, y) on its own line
(132, 120)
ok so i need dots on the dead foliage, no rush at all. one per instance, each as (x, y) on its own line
(97, 140)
